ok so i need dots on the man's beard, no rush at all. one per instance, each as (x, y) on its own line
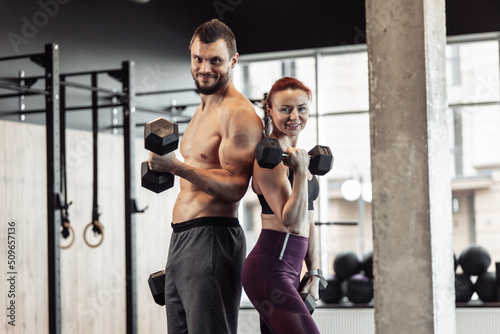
(209, 90)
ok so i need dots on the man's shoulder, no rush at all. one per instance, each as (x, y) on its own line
(239, 116)
(238, 105)
(235, 97)
(243, 112)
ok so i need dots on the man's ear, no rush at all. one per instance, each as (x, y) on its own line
(234, 60)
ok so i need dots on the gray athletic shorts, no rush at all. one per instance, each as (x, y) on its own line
(203, 276)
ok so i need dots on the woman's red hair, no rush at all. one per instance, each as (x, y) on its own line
(284, 84)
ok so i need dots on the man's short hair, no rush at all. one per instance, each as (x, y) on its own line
(214, 30)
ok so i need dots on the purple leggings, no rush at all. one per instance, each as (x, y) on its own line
(270, 277)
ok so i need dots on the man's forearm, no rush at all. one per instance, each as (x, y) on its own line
(219, 183)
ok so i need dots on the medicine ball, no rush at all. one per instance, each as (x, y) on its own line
(474, 260)
(359, 289)
(333, 293)
(346, 264)
(486, 287)
(367, 264)
(464, 288)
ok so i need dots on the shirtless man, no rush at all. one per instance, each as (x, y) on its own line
(207, 248)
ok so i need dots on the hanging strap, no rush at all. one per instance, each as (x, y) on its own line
(95, 129)
(66, 229)
(97, 227)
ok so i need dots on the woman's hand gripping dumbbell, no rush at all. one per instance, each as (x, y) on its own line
(269, 154)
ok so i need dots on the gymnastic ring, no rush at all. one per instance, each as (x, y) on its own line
(71, 232)
(100, 227)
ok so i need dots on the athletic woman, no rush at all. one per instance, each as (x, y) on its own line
(271, 272)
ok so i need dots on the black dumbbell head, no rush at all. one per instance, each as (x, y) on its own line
(321, 160)
(156, 283)
(268, 153)
(155, 181)
(309, 301)
(323, 284)
(161, 136)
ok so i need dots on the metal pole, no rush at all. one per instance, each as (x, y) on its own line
(129, 147)
(361, 213)
(171, 91)
(497, 268)
(458, 142)
(22, 56)
(51, 64)
(91, 87)
(472, 217)
(323, 195)
(21, 98)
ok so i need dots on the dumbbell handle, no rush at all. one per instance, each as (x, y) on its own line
(306, 297)
(269, 154)
(322, 156)
(323, 283)
(284, 156)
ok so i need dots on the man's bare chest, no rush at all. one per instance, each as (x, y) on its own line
(201, 139)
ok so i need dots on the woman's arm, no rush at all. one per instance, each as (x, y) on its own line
(312, 259)
(288, 202)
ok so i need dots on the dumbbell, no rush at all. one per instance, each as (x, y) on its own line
(269, 154)
(306, 297)
(161, 137)
(156, 283)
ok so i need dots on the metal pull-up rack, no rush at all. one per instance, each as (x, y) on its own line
(55, 125)
(49, 60)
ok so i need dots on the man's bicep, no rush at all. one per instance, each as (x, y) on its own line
(238, 147)
(244, 131)
(237, 154)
